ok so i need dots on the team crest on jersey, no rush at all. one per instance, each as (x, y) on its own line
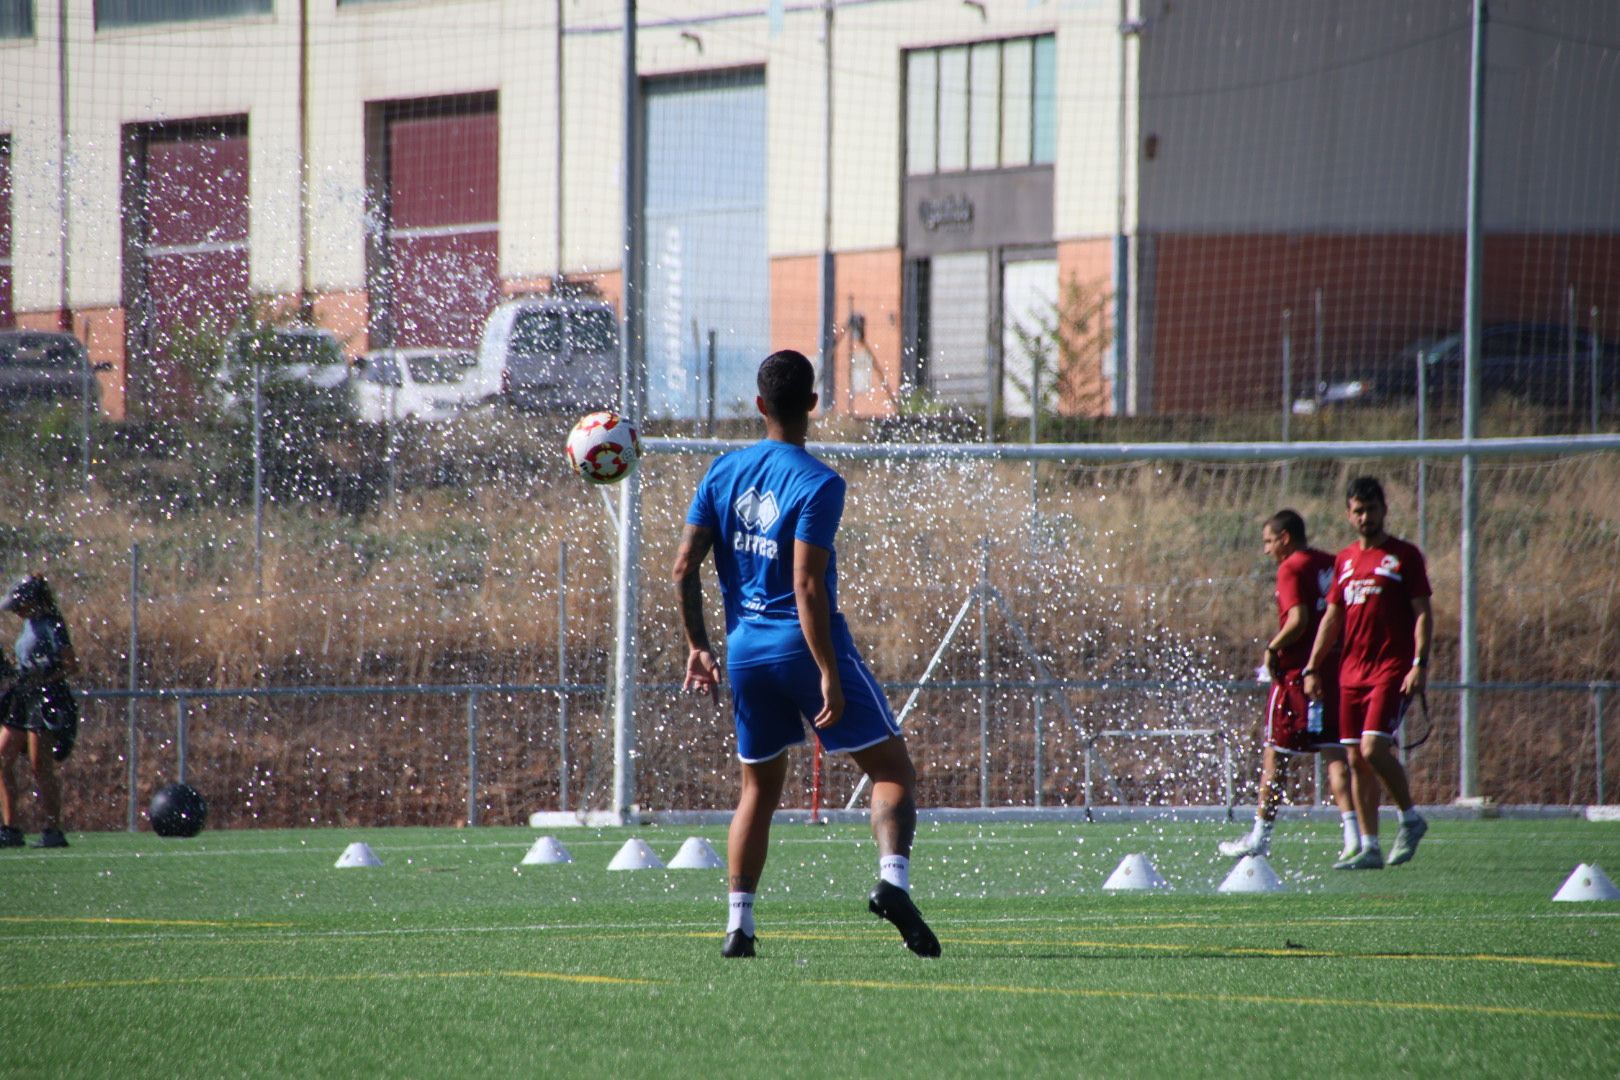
(1389, 567)
(757, 512)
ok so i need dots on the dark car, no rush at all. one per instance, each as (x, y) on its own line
(45, 365)
(1534, 362)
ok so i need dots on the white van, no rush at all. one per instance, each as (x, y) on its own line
(415, 384)
(554, 352)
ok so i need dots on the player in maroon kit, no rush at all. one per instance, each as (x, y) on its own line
(1380, 600)
(1293, 726)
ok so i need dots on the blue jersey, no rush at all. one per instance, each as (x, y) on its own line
(757, 502)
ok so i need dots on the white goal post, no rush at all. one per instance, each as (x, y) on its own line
(628, 587)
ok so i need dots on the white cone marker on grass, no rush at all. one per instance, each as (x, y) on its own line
(1588, 882)
(357, 854)
(1135, 872)
(696, 854)
(1252, 874)
(636, 855)
(545, 852)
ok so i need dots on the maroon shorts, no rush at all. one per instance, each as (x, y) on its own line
(1288, 717)
(1378, 709)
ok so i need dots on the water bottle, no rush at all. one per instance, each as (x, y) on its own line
(1313, 718)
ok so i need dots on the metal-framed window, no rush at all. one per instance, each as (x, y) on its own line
(983, 105)
(115, 13)
(16, 18)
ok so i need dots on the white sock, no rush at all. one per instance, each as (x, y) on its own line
(1352, 830)
(1369, 843)
(742, 913)
(1410, 816)
(896, 870)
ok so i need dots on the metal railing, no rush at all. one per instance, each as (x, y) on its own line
(1039, 690)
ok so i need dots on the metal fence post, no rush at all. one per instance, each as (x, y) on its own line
(984, 671)
(1598, 696)
(1227, 780)
(472, 758)
(1085, 784)
(182, 711)
(562, 675)
(134, 675)
(1287, 370)
(1040, 736)
(1597, 355)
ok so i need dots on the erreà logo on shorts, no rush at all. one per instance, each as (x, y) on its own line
(757, 513)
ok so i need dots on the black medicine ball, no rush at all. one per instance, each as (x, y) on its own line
(178, 810)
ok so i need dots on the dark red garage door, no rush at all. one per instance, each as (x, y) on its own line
(440, 252)
(190, 202)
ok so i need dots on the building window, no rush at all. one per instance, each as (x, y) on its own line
(114, 13)
(989, 105)
(16, 18)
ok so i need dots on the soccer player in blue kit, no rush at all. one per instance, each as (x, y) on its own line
(769, 513)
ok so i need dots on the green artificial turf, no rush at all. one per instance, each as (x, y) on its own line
(249, 953)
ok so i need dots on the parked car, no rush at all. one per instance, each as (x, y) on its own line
(414, 384)
(554, 352)
(45, 365)
(302, 368)
(1530, 361)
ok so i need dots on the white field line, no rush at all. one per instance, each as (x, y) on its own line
(1095, 922)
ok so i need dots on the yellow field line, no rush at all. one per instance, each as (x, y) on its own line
(1153, 946)
(1245, 999)
(106, 920)
(205, 980)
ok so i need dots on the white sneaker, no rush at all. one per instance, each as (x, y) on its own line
(1247, 844)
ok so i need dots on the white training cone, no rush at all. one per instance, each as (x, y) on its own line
(636, 855)
(1252, 874)
(1588, 882)
(696, 854)
(358, 854)
(546, 850)
(1135, 872)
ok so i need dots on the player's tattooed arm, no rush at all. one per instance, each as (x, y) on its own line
(695, 545)
(702, 672)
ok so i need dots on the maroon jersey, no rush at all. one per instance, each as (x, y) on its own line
(1303, 580)
(1377, 587)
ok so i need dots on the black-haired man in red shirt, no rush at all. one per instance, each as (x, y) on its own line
(1379, 599)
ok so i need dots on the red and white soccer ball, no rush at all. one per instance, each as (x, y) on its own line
(604, 447)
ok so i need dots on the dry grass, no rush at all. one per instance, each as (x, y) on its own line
(1140, 572)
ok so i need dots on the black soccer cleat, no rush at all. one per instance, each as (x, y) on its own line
(52, 838)
(893, 903)
(10, 837)
(737, 944)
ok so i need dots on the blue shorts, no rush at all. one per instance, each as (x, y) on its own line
(772, 702)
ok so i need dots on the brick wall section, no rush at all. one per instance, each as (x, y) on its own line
(1218, 303)
(345, 314)
(1089, 263)
(868, 282)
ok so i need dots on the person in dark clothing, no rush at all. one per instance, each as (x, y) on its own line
(37, 710)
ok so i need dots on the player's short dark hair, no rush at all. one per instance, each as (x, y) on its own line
(787, 382)
(1288, 521)
(1364, 489)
